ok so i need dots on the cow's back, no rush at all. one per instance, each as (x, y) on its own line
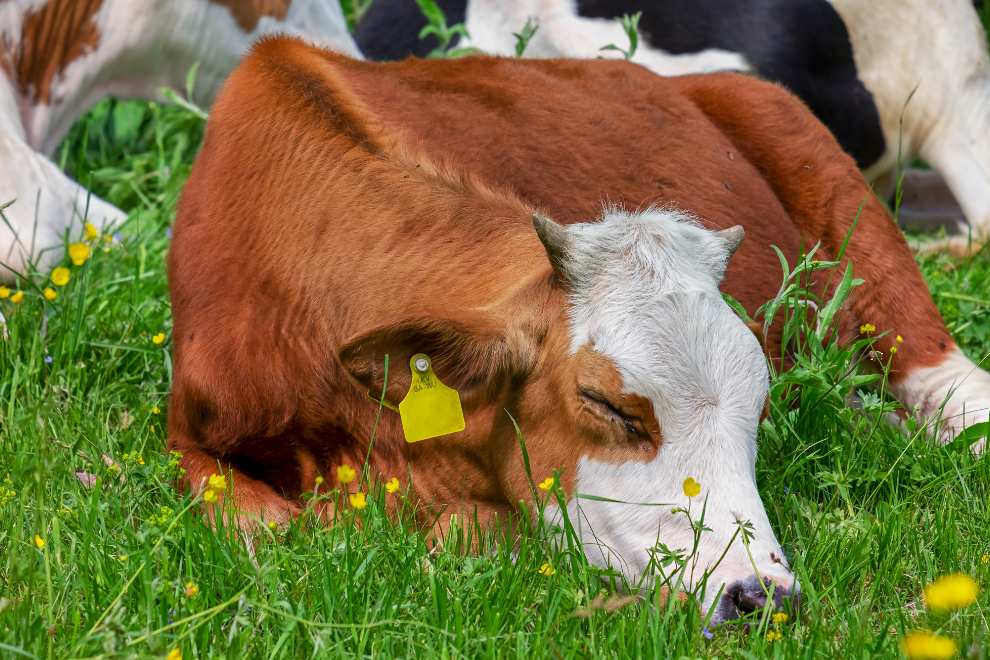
(570, 136)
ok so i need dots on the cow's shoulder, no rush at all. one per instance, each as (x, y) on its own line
(286, 75)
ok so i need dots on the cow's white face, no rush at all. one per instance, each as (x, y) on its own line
(644, 295)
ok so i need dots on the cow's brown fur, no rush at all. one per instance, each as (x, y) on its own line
(52, 37)
(248, 13)
(314, 237)
(609, 131)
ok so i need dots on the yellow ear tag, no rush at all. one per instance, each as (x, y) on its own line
(430, 408)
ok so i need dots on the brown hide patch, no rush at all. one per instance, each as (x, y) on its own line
(248, 13)
(600, 391)
(53, 36)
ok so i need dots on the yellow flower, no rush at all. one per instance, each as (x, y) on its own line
(319, 480)
(79, 253)
(392, 485)
(49, 294)
(985, 559)
(773, 635)
(899, 339)
(272, 525)
(691, 487)
(893, 349)
(191, 590)
(174, 654)
(779, 617)
(923, 645)
(547, 483)
(358, 500)
(345, 474)
(61, 276)
(867, 329)
(39, 542)
(951, 592)
(158, 339)
(209, 496)
(217, 482)
(155, 410)
(17, 298)
(122, 557)
(90, 231)
(4, 292)
(546, 570)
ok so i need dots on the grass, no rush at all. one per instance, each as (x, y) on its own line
(868, 514)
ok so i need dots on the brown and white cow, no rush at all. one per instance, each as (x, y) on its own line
(58, 57)
(341, 211)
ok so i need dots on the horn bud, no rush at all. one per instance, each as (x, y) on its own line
(732, 237)
(556, 241)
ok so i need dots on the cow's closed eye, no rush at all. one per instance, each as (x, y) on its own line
(597, 402)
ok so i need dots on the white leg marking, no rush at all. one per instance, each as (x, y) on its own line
(949, 397)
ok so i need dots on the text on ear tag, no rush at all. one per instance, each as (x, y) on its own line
(430, 408)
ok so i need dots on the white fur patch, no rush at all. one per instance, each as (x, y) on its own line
(645, 294)
(949, 397)
(46, 203)
(563, 33)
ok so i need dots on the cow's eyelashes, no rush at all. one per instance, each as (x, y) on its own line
(630, 423)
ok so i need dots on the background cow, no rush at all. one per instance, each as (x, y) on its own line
(388, 209)
(58, 57)
(860, 65)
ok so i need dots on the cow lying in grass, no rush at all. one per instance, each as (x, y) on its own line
(342, 211)
(58, 57)
(860, 65)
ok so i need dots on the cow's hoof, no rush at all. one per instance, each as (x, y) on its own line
(958, 247)
(956, 419)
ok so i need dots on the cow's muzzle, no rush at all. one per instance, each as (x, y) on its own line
(750, 595)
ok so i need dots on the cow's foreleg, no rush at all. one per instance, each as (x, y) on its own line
(249, 502)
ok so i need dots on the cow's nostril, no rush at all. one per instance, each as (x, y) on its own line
(749, 595)
(749, 599)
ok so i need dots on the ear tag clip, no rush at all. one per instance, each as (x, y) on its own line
(430, 408)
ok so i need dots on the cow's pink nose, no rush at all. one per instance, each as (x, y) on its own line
(745, 596)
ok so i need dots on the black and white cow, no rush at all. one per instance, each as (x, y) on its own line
(860, 65)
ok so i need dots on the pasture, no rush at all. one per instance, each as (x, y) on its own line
(101, 556)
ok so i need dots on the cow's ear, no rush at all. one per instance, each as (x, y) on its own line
(472, 354)
(728, 242)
